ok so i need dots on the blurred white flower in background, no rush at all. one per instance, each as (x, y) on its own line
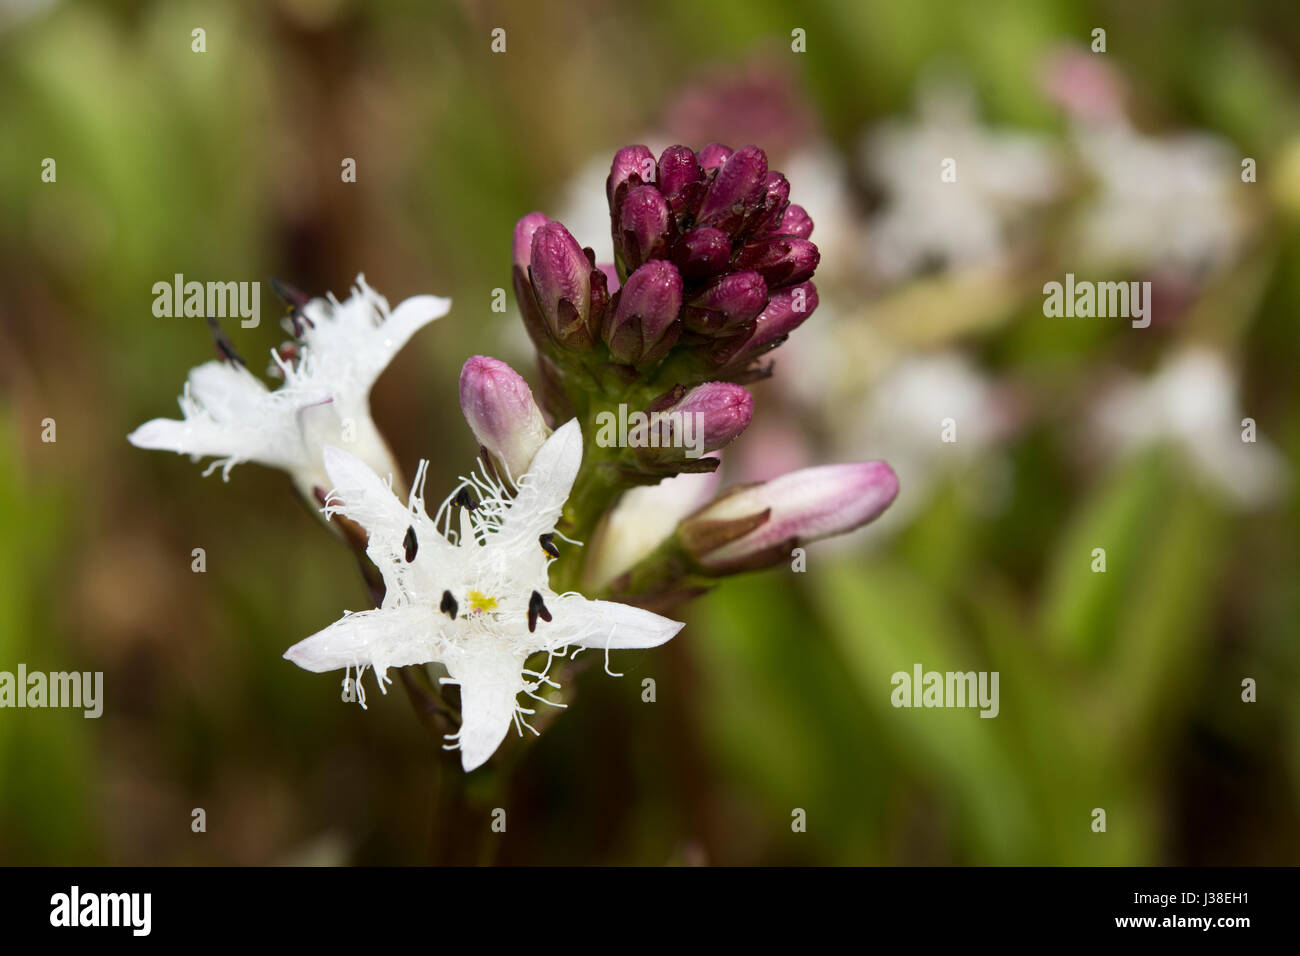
(1162, 202)
(1159, 202)
(934, 417)
(1192, 402)
(926, 221)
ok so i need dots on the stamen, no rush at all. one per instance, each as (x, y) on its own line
(295, 299)
(536, 609)
(448, 605)
(410, 544)
(224, 348)
(548, 544)
(288, 294)
(466, 499)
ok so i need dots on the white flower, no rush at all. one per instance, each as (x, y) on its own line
(478, 602)
(1166, 202)
(231, 415)
(933, 417)
(1191, 402)
(962, 222)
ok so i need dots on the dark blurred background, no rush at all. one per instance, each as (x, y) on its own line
(1119, 690)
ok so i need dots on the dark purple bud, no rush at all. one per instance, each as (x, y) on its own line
(786, 310)
(771, 208)
(561, 278)
(796, 222)
(681, 180)
(643, 325)
(738, 186)
(702, 253)
(714, 155)
(644, 225)
(632, 167)
(726, 303)
(781, 260)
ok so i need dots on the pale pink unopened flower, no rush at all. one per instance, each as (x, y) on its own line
(522, 248)
(499, 408)
(756, 524)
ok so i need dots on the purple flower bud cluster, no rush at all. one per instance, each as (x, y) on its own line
(709, 253)
(718, 229)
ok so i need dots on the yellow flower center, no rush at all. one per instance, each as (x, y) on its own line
(478, 601)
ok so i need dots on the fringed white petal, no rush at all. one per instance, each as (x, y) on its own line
(350, 343)
(544, 488)
(383, 638)
(360, 494)
(229, 414)
(581, 622)
(489, 680)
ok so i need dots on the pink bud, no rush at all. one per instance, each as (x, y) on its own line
(786, 310)
(780, 260)
(499, 407)
(801, 506)
(776, 197)
(714, 155)
(633, 166)
(726, 303)
(795, 222)
(643, 325)
(561, 275)
(739, 185)
(702, 253)
(523, 245)
(644, 224)
(725, 411)
(688, 424)
(681, 180)
(522, 252)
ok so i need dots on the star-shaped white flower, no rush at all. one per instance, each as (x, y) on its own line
(478, 601)
(231, 415)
